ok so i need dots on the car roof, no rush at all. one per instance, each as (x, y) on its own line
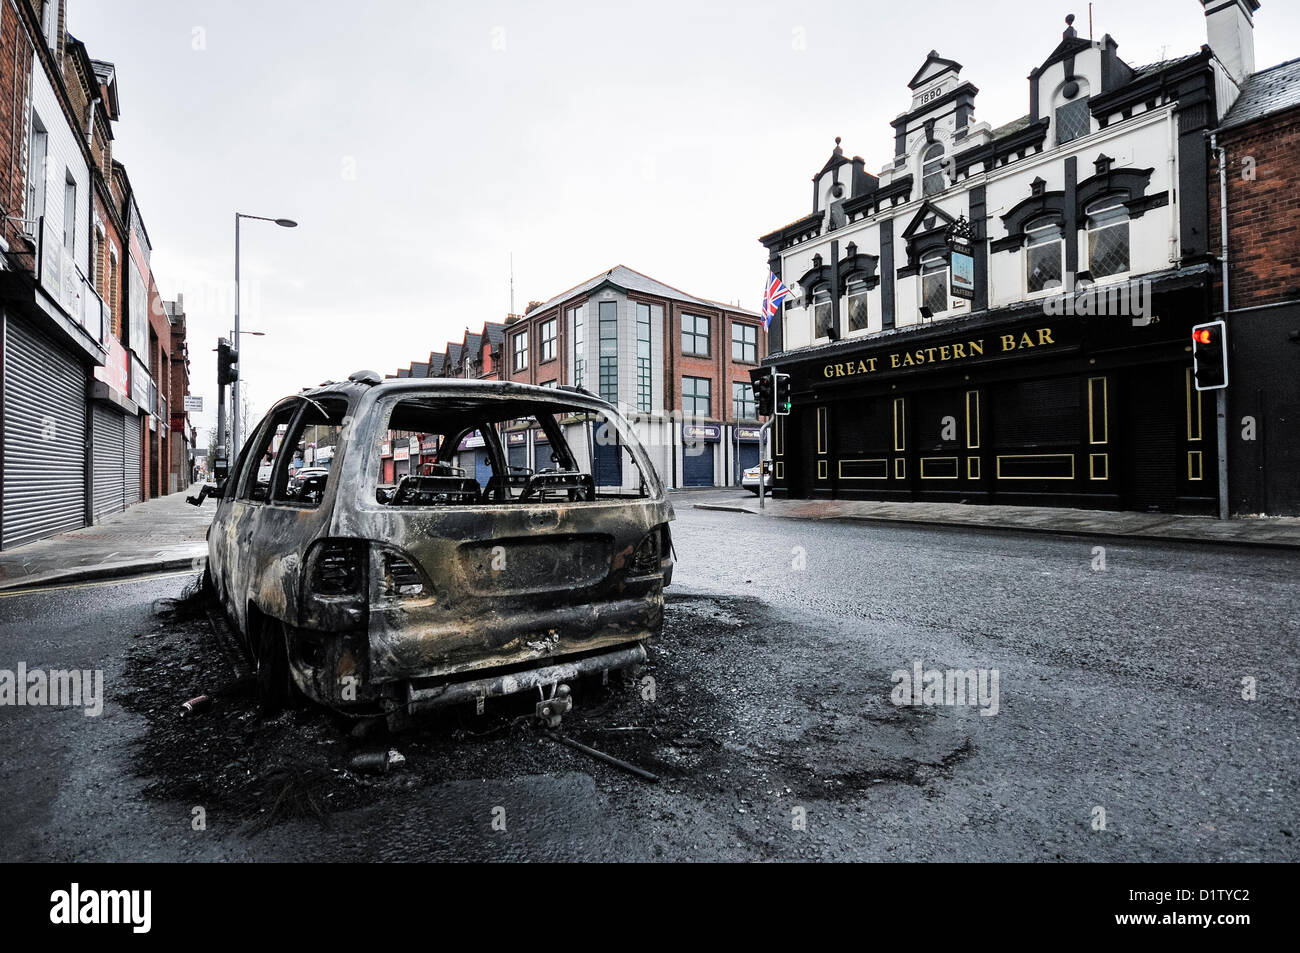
(459, 388)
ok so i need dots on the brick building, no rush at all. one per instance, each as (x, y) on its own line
(1257, 164)
(678, 366)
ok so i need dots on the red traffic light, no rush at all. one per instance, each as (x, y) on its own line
(1203, 336)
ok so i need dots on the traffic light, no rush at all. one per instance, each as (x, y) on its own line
(227, 363)
(1210, 355)
(763, 395)
(781, 396)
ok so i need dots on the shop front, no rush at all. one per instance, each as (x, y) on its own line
(1034, 407)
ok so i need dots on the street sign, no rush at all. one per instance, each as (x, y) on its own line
(194, 402)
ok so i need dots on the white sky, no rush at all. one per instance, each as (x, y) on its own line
(420, 144)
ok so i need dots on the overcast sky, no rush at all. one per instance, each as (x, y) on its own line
(421, 144)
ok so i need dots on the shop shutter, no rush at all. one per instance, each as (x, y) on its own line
(108, 434)
(748, 456)
(44, 437)
(518, 455)
(697, 468)
(131, 460)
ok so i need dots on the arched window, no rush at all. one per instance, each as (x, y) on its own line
(934, 283)
(821, 312)
(856, 290)
(1108, 240)
(932, 170)
(1043, 255)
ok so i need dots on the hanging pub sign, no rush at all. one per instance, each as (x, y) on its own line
(961, 259)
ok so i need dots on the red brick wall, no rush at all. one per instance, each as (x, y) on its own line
(1263, 212)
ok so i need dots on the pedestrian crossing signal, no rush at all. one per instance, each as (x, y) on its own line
(1210, 355)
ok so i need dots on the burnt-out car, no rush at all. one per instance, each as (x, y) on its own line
(468, 539)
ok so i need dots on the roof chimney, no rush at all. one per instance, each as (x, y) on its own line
(1230, 25)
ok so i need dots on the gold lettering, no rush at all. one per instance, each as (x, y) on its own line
(945, 352)
(976, 347)
(871, 364)
(827, 372)
(929, 354)
(839, 370)
(1008, 342)
(1045, 336)
(862, 367)
(1026, 340)
(893, 360)
(959, 350)
(907, 360)
(850, 369)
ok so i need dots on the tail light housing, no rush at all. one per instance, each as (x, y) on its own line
(337, 567)
(645, 561)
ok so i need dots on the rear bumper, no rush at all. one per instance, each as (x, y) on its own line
(421, 698)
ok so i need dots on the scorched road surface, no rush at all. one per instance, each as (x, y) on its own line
(765, 709)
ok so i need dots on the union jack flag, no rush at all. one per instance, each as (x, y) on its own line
(776, 293)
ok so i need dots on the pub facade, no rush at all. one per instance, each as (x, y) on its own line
(1003, 315)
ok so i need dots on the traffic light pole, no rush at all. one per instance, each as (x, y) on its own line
(220, 466)
(763, 432)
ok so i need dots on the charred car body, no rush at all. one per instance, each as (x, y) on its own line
(439, 587)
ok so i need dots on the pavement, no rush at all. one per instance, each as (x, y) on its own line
(155, 535)
(1274, 532)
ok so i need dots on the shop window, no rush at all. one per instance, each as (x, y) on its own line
(934, 283)
(1043, 254)
(822, 314)
(1108, 237)
(857, 295)
(932, 182)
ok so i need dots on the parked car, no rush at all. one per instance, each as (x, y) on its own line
(749, 479)
(372, 593)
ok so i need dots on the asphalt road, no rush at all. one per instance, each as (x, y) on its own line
(770, 723)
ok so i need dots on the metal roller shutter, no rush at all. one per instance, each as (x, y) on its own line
(697, 467)
(131, 460)
(44, 438)
(108, 437)
(518, 455)
(748, 456)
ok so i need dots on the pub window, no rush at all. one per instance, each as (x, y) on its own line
(1108, 239)
(857, 295)
(521, 350)
(822, 312)
(934, 283)
(1043, 254)
(548, 340)
(742, 399)
(744, 343)
(695, 335)
(932, 171)
(697, 396)
(1072, 121)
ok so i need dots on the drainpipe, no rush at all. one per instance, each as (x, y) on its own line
(1221, 395)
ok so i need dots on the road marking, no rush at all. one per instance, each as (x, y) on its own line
(91, 585)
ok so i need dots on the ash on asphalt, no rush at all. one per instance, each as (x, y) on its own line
(712, 710)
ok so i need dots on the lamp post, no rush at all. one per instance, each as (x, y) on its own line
(234, 388)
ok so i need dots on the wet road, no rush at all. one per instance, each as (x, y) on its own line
(1120, 730)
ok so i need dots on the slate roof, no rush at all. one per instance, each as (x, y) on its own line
(1267, 92)
(624, 278)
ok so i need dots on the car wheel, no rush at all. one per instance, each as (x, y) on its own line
(274, 688)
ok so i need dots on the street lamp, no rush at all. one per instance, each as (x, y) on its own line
(234, 388)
